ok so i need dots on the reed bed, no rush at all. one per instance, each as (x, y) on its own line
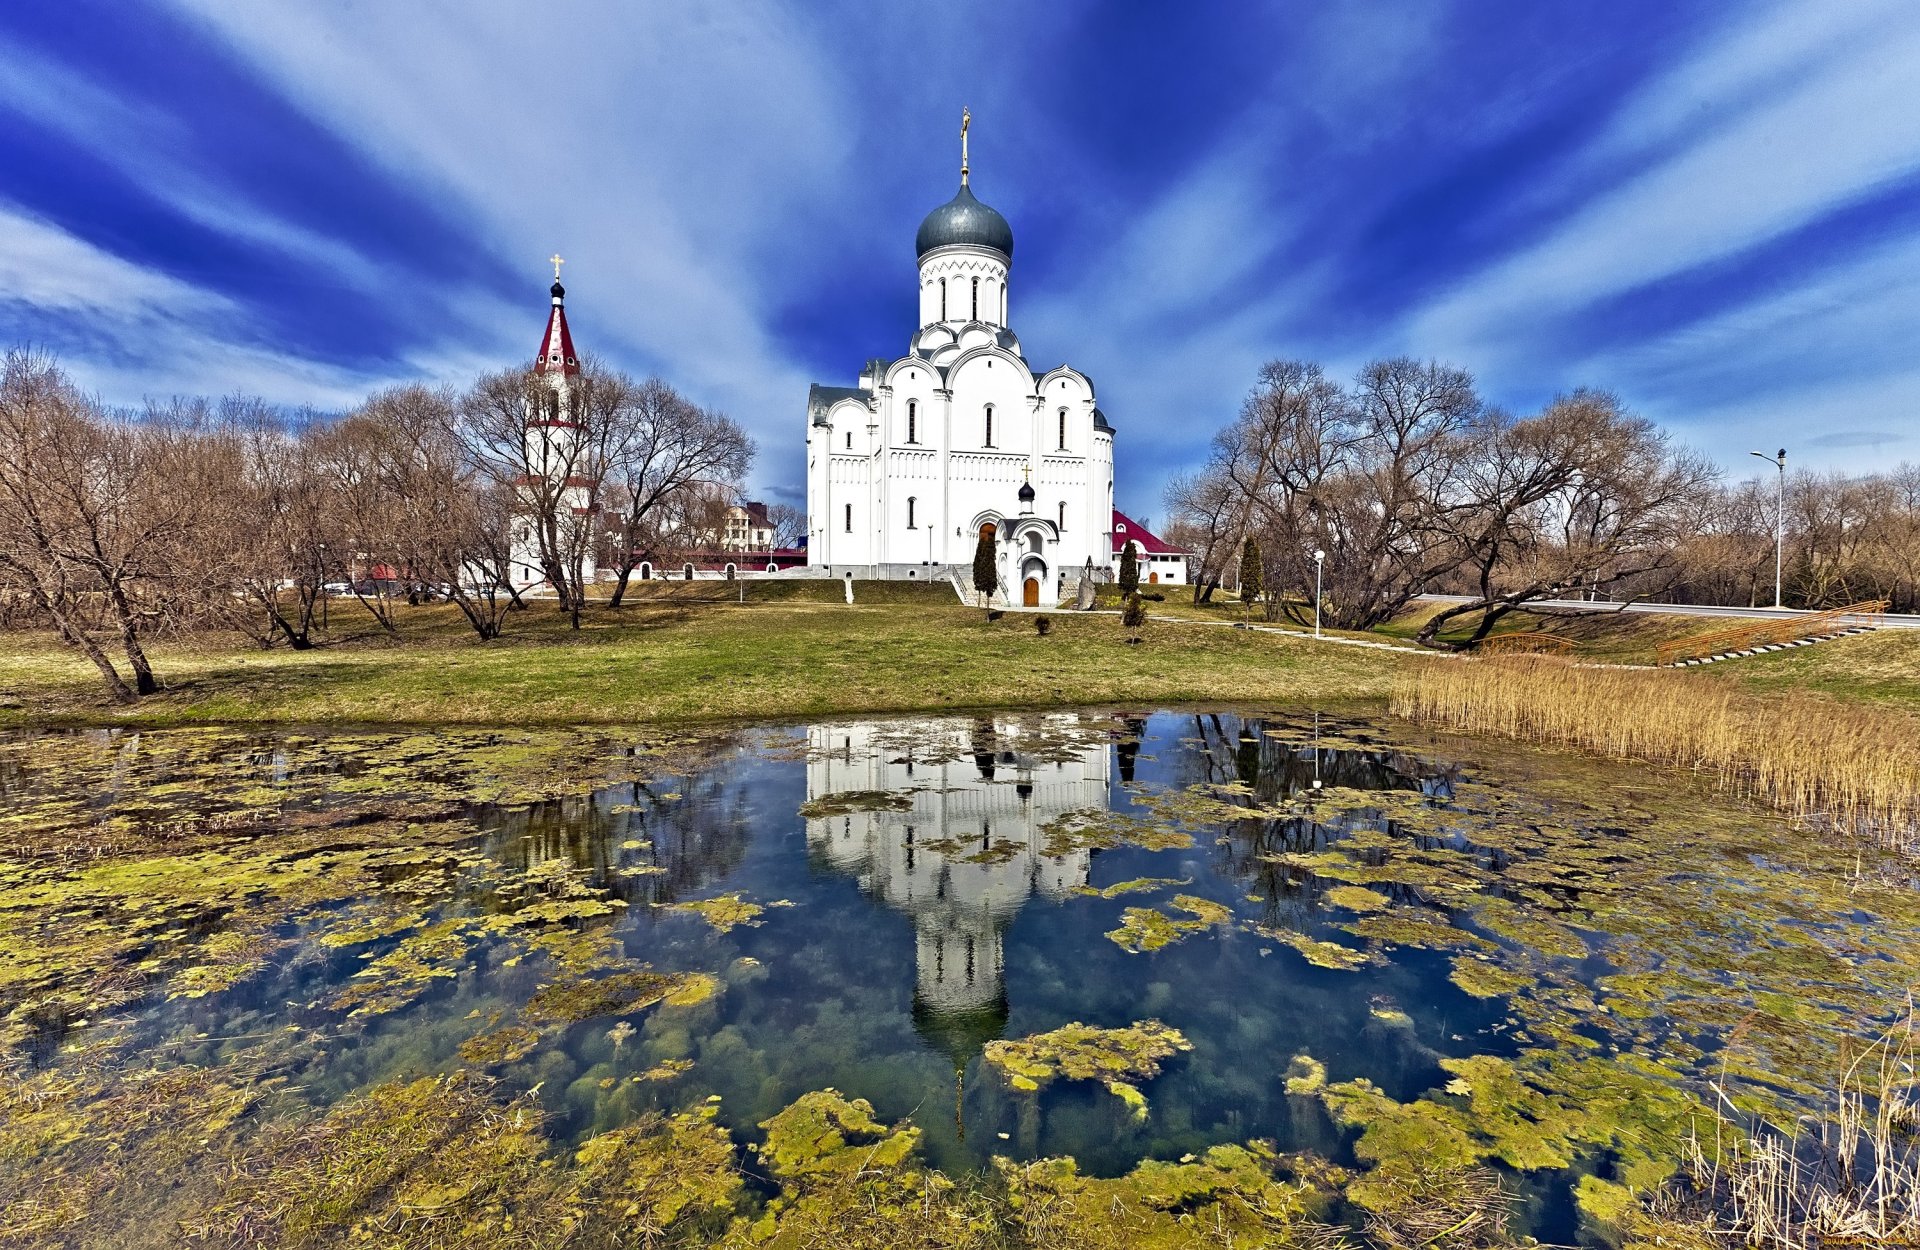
(1847, 767)
(1847, 1176)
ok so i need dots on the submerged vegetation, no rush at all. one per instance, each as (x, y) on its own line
(1853, 767)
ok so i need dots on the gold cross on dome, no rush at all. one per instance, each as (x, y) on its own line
(556, 262)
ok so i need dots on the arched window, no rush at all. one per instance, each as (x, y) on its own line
(773, 568)
(1063, 516)
(849, 440)
(976, 299)
(989, 438)
(646, 572)
(943, 299)
(687, 572)
(1063, 429)
(910, 502)
(730, 572)
(849, 518)
(913, 419)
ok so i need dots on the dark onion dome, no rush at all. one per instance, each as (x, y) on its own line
(559, 292)
(964, 222)
(1026, 492)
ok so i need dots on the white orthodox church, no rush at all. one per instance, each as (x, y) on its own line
(961, 438)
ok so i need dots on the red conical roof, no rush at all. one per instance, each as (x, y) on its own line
(556, 347)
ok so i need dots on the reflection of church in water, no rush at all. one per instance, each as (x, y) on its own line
(968, 853)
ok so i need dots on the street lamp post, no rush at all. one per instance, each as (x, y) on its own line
(1779, 516)
(1319, 564)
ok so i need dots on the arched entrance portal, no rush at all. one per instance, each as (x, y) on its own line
(1030, 593)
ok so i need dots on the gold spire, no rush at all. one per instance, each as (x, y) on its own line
(966, 120)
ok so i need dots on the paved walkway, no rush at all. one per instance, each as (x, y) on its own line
(1892, 620)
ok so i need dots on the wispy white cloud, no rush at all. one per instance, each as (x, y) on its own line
(1819, 358)
(130, 333)
(1814, 134)
(659, 149)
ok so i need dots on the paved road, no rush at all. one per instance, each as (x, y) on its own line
(1891, 620)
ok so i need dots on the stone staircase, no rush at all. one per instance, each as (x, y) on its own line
(1764, 648)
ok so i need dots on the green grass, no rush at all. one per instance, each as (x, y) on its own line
(669, 656)
(1881, 667)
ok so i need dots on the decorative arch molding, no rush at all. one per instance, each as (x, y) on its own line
(993, 351)
(1017, 530)
(1045, 382)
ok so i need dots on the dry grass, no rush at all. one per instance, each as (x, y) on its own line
(1851, 1177)
(1845, 766)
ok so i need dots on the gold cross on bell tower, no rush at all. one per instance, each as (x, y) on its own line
(556, 262)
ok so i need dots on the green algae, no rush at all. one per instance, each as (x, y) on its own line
(1306, 1075)
(723, 913)
(1146, 929)
(500, 1047)
(1100, 829)
(849, 802)
(1138, 885)
(1483, 979)
(1356, 898)
(1232, 1195)
(621, 994)
(1117, 1058)
(1320, 954)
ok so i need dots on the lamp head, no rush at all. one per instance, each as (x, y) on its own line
(1318, 555)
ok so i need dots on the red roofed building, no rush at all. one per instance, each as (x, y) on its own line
(1161, 564)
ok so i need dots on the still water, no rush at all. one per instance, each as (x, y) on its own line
(886, 899)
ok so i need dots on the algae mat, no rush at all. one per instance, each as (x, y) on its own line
(1080, 979)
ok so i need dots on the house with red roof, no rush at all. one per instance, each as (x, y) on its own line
(1161, 563)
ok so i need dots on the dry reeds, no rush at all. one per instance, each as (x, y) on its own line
(1849, 767)
(1849, 1177)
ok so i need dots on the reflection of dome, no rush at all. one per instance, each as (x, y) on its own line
(964, 222)
(959, 1035)
(964, 852)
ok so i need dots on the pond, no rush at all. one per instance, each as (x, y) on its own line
(1390, 957)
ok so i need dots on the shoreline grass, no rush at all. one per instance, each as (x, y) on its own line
(1853, 767)
(674, 659)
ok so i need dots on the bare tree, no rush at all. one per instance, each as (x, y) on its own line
(1582, 498)
(102, 525)
(664, 454)
(446, 526)
(789, 525)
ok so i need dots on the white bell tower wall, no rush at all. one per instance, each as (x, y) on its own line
(962, 284)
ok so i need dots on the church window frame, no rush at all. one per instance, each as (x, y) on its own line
(686, 572)
(943, 299)
(1063, 516)
(913, 420)
(849, 508)
(1063, 429)
(988, 440)
(910, 502)
(976, 299)
(849, 440)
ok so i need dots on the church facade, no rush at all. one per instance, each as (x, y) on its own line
(960, 438)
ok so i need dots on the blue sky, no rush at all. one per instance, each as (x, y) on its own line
(1713, 209)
